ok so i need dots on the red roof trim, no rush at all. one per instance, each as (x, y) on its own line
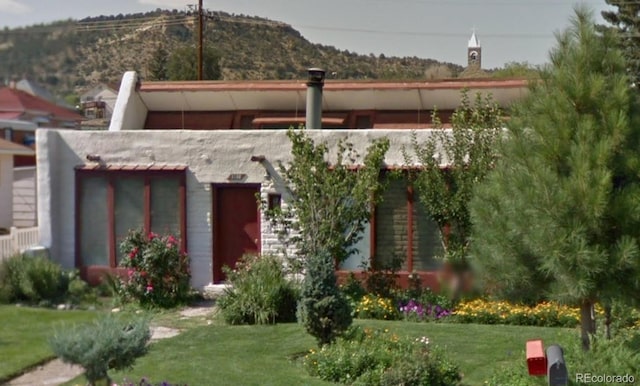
(128, 168)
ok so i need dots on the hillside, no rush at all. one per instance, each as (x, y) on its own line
(69, 56)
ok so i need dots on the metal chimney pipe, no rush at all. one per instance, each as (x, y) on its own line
(315, 82)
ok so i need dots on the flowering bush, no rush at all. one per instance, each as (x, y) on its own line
(379, 357)
(157, 272)
(415, 311)
(547, 314)
(376, 307)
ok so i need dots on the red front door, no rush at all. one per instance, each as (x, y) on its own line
(237, 226)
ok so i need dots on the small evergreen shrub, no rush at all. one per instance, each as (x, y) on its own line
(32, 280)
(259, 292)
(110, 343)
(379, 357)
(158, 273)
(324, 310)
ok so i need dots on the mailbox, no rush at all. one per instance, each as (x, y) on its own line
(536, 361)
(556, 368)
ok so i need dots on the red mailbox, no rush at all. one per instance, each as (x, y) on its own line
(536, 360)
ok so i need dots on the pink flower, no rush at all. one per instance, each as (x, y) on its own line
(130, 272)
(171, 241)
(133, 253)
(149, 288)
(152, 236)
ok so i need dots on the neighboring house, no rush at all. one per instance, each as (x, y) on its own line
(190, 157)
(7, 151)
(17, 105)
(99, 101)
(38, 91)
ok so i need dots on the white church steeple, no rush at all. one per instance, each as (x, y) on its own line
(474, 52)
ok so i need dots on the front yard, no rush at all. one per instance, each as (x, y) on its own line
(259, 355)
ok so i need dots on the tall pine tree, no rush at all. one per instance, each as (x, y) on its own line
(558, 217)
(625, 20)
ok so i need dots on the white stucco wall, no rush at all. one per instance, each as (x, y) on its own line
(129, 112)
(211, 156)
(6, 190)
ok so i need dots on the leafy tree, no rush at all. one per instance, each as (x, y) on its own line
(516, 70)
(468, 151)
(158, 65)
(329, 203)
(625, 20)
(183, 63)
(558, 216)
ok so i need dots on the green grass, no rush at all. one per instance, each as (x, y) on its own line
(24, 333)
(264, 355)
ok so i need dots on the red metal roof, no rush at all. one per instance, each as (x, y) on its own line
(329, 85)
(13, 101)
(10, 114)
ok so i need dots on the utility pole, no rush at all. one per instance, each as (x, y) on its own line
(200, 39)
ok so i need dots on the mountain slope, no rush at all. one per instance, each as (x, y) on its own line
(68, 56)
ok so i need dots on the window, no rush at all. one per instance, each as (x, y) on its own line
(400, 230)
(274, 201)
(404, 231)
(112, 201)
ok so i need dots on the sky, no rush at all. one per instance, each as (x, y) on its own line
(508, 30)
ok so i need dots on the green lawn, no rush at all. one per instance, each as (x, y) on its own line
(262, 355)
(218, 354)
(24, 332)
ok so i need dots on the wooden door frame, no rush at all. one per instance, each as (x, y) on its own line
(215, 234)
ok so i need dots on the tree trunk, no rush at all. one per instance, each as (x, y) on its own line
(586, 324)
(607, 321)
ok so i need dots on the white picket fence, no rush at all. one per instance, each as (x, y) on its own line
(18, 240)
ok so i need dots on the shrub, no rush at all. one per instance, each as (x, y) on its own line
(353, 288)
(32, 280)
(324, 311)
(158, 273)
(376, 307)
(378, 357)
(416, 311)
(109, 343)
(546, 314)
(382, 279)
(259, 292)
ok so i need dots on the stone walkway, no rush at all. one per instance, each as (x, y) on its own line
(56, 372)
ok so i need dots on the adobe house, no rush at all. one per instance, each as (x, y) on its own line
(188, 158)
